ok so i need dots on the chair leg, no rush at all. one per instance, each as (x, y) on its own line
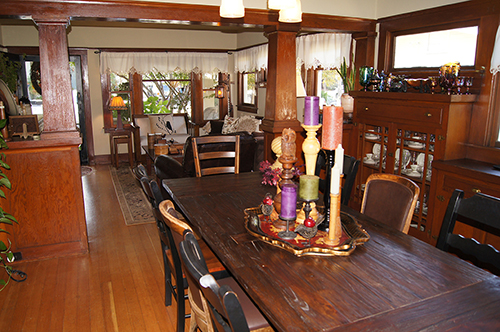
(168, 278)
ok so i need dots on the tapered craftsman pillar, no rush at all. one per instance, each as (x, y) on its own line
(281, 95)
(58, 114)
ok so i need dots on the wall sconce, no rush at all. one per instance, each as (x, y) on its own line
(232, 9)
(219, 91)
(117, 104)
(292, 14)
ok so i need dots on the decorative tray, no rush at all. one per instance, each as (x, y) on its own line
(263, 228)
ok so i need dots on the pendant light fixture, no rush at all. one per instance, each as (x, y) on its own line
(280, 4)
(232, 9)
(293, 14)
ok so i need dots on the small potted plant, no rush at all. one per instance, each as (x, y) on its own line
(348, 75)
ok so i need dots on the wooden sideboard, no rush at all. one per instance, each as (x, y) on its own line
(471, 176)
(405, 133)
(46, 198)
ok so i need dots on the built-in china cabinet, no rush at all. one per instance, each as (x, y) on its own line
(402, 133)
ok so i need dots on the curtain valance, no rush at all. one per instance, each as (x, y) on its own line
(251, 59)
(325, 50)
(495, 58)
(145, 62)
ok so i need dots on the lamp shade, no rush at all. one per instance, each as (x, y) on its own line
(293, 14)
(280, 4)
(232, 9)
(117, 103)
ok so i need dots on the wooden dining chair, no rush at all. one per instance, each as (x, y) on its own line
(175, 228)
(390, 199)
(479, 211)
(216, 162)
(229, 307)
(351, 165)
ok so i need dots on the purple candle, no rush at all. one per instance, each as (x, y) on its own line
(311, 111)
(288, 202)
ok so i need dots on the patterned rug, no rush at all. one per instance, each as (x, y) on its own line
(134, 205)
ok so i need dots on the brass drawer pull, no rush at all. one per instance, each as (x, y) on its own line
(440, 198)
(428, 115)
(476, 190)
(366, 108)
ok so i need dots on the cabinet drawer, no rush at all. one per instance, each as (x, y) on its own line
(424, 114)
(469, 186)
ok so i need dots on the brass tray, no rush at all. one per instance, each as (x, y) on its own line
(263, 228)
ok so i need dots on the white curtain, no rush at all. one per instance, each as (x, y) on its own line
(144, 62)
(324, 50)
(251, 59)
(495, 58)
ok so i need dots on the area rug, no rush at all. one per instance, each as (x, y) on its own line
(134, 205)
(86, 170)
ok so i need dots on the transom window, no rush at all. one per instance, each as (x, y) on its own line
(434, 49)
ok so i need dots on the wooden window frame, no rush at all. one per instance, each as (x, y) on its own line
(245, 107)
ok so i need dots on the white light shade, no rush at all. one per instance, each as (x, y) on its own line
(301, 91)
(291, 15)
(232, 9)
(280, 4)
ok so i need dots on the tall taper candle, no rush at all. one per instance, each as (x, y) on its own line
(339, 158)
(311, 111)
(333, 118)
(335, 184)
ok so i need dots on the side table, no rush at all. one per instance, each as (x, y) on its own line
(117, 137)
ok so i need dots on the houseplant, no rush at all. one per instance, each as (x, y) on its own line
(348, 75)
(6, 254)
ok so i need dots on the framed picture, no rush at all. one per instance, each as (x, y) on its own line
(18, 122)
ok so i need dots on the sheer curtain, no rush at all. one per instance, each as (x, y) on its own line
(144, 62)
(251, 59)
(324, 50)
(495, 58)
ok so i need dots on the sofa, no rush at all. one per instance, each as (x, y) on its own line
(174, 126)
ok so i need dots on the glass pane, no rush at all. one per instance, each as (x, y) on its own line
(167, 93)
(249, 91)
(434, 49)
(210, 80)
(330, 87)
(34, 86)
(210, 105)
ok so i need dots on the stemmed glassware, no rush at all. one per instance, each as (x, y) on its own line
(365, 76)
(468, 84)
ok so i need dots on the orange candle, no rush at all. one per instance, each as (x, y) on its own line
(333, 118)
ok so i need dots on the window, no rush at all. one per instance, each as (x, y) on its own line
(329, 87)
(247, 91)
(166, 93)
(120, 86)
(210, 102)
(435, 48)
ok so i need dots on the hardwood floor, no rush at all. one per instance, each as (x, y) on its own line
(117, 286)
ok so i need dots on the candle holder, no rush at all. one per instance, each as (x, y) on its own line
(288, 234)
(330, 154)
(311, 147)
(306, 231)
(335, 225)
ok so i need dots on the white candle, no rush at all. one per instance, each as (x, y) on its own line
(335, 180)
(339, 158)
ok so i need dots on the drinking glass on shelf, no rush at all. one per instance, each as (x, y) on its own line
(434, 83)
(460, 84)
(365, 76)
(468, 84)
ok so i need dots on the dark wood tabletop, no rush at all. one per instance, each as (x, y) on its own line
(394, 282)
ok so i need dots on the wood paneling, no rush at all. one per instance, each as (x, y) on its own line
(46, 198)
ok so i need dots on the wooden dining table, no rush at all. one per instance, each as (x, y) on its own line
(393, 282)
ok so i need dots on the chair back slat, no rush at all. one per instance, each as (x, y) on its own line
(202, 159)
(479, 211)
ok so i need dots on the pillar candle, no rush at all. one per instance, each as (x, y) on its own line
(288, 201)
(335, 180)
(311, 111)
(339, 158)
(309, 187)
(333, 118)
